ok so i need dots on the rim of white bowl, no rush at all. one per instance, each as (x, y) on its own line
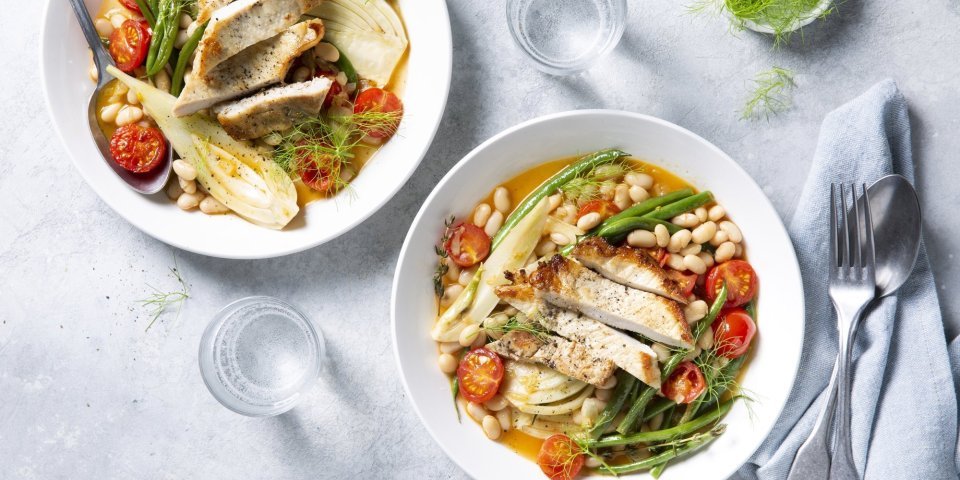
(793, 261)
(811, 17)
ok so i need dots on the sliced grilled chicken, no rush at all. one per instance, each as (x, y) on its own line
(205, 8)
(603, 341)
(272, 110)
(568, 284)
(261, 65)
(627, 266)
(569, 358)
(240, 24)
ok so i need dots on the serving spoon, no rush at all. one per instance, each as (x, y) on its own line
(146, 183)
(896, 232)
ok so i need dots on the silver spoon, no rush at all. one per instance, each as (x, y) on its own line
(896, 232)
(147, 183)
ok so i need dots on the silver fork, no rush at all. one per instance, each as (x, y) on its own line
(852, 286)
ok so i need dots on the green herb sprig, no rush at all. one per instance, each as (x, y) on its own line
(772, 93)
(781, 16)
(588, 186)
(442, 266)
(158, 301)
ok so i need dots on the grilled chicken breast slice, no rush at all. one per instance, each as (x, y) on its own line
(626, 352)
(237, 25)
(272, 110)
(261, 65)
(569, 358)
(627, 266)
(568, 284)
(205, 8)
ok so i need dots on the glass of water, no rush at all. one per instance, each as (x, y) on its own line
(566, 36)
(259, 356)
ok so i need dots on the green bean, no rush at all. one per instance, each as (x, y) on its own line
(625, 388)
(552, 185)
(659, 406)
(631, 421)
(345, 66)
(176, 83)
(147, 13)
(626, 225)
(663, 434)
(164, 35)
(649, 205)
(685, 205)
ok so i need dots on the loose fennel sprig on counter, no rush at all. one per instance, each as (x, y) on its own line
(158, 301)
(772, 94)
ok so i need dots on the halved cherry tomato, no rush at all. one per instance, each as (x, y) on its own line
(131, 5)
(733, 330)
(741, 282)
(560, 458)
(685, 384)
(129, 45)
(605, 208)
(318, 171)
(662, 256)
(685, 282)
(468, 245)
(380, 100)
(335, 87)
(479, 375)
(138, 149)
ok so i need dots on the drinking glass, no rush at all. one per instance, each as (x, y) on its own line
(562, 37)
(259, 356)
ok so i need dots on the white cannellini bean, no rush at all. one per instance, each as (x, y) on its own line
(639, 179)
(569, 214)
(185, 20)
(92, 72)
(656, 421)
(560, 238)
(621, 197)
(725, 252)
(326, 52)
(705, 342)
(453, 270)
(695, 310)
(692, 354)
(695, 264)
(129, 114)
(173, 190)
(465, 276)
(686, 220)
(590, 410)
(450, 347)
(181, 38)
(132, 98)
(704, 232)
(448, 363)
(691, 249)
(493, 223)
(184, 170)
(192, 28)
(707, 258)
(662, 234)
(638, 193)
(546, 246)
(642, 239)
(607, 190)
(212, 206)
(109, 113)
(188, 186)
(739, 251)
(588, 221)
(663, 353)
(555, 200)
(505, 417)
(603, 395)
(501, 200)
(481, 214)
(104, 27)
(733, 231)
(675, 262)
(609, 383)
(719, 238)
(450, 294)
(301, 74)
(341, 78)
(496, 403)
(577, 417)
(480, 341)
(189, 201)
(162, 80)
(591, 462)
(476, 411)
(117, 20)
(679, 240)
(716, 213)
(701, 214)
(469, 334)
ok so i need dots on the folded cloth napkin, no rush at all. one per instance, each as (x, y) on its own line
(904, 401)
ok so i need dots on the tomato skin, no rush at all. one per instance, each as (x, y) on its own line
(467, 245)
(131, 5)
(379, 100)
(560, 458)
(685, 384)
(317, 171)
(605, 208)
(662, 256)
(741, 280)
(129, 45)
(685, 282)
(733, 330)
(138, 149)
(479, 375)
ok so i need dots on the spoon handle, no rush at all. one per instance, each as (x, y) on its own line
(100, 56)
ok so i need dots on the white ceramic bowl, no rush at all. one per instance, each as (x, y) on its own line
(64, 62)
(771, 373)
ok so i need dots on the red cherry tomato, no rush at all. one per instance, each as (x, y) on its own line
(138, 149)
(380, 100)
(335, 87)
(468, 245)
(319, 172)
(685, 384)
(129, 45)
(733, 330)
(479, 375)
(662, 256)
(605, 208)
(560, 458)
(741, 282)
(685, 282)
(131, 5)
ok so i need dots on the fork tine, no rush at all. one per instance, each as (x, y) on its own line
(834, 227)
(844, 230)
(869, 253)
(856, 251)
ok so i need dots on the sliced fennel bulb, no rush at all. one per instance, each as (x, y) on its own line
(235, 174)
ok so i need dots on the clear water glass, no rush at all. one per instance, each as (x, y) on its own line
(259, 356)
(562, 37)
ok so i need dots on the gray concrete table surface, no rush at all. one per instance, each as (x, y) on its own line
(85, 392)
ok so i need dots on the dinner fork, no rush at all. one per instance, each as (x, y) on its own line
(852, 286)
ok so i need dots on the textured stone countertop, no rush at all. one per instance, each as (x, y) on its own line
(86, 393)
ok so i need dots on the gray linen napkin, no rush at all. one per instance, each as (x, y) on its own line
(904, 394)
